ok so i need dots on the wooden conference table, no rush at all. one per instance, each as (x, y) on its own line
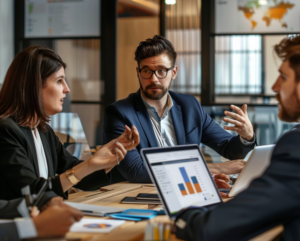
(113, 194)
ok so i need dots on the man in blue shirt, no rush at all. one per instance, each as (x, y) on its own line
(166, 118)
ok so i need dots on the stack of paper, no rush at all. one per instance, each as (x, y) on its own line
(89, 225)
(95, 210)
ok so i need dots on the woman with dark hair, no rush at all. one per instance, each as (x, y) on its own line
(33, 90)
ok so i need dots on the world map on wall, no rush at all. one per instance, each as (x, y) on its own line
(274, 10)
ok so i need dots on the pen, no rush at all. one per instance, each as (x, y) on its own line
(161, 231)
(149, 232)
(167, 232)
(64, 239)
(92, 212)
(28, 198)
(155, 232)
(38, 196)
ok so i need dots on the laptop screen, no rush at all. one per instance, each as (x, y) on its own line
(182, 177)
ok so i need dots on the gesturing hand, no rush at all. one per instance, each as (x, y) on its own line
(130, 138)
(242, 124)
(108, 156)
(113, 152)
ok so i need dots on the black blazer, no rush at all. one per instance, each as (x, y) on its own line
(270, 200)
(9, 232)
(9, 209)
(19, 166)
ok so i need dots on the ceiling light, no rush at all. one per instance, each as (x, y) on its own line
(263, 2)
(170, 2)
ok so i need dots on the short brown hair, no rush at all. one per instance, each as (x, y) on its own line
(289, 50)
(21, 92)
(153, 47)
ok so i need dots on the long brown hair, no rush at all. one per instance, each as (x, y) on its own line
(21, 92)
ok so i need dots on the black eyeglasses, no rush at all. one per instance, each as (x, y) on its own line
(160, 73)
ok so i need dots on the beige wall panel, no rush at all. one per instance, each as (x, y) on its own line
(83, 67)
(130, 32)
(272, 62)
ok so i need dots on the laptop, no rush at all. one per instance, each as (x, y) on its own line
(257, 163)
(181, 176)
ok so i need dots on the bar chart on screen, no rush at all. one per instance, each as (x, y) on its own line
(184, 180)
(188, 183)
(182, 189)
(196, 184)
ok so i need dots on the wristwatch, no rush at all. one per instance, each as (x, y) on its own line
(71, 176)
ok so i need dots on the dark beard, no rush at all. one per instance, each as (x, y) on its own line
(154, 96)
(289, 116)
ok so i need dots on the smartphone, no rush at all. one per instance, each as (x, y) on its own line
(148, 196)
(139, 201)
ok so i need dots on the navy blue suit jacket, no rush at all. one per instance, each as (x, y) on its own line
(192, 125)
(270, 200)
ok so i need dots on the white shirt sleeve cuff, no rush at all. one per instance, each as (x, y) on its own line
(247, 143)
(26, 228)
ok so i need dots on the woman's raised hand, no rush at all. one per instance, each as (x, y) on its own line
(113, 152)
(130, 138)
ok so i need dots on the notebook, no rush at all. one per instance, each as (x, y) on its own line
(257, 163)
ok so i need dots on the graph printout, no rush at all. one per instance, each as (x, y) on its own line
(62, 18)
(183, 179)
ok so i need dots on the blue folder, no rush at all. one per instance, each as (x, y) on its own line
(136, 214)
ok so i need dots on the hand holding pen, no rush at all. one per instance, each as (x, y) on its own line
(33, 199)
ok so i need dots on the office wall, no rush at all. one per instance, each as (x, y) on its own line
(83, 77)
(6, 36)
(83, 67)
(272, 62)
(131, 31)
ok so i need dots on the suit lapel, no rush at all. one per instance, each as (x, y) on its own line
(178, 123)
(47, 153)
(144, 120)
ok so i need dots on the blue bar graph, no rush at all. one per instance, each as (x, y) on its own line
(184, 174)
(181, 186)
(186, 180)
(194, 179)
(196, 184)
(182, 189)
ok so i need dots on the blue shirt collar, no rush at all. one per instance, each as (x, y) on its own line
(153, 109)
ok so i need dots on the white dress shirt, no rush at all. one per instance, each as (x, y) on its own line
(26, 228)
(163, 126)
(40, 154)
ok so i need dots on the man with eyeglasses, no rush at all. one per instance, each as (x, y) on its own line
(165, 118)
